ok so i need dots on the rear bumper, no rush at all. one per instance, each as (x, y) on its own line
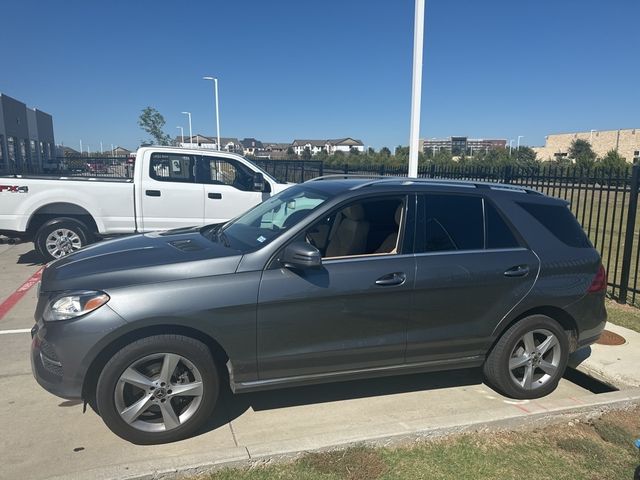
(590, 315)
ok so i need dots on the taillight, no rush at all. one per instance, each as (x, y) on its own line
(599, 282)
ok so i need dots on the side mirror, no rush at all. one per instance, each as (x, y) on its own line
(258, 182)
(301, 255)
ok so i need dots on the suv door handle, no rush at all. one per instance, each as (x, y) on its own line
(391, 279)
(517, 271)
(215, 196)
(152, 193)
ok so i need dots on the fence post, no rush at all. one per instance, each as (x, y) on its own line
(432, 171)
(628, 234)
(507, 174)
(346, 169)
(321, 169)
(381, 172)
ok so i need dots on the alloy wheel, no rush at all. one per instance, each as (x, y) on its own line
(535, 359)
(158, 392)
(62, 241)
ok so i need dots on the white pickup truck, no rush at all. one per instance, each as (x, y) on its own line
(171, 187)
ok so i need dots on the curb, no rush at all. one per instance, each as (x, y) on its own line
(536, 414)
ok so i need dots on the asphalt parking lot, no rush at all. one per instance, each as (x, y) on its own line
(44, 436)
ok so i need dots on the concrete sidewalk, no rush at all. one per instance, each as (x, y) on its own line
(616, 365)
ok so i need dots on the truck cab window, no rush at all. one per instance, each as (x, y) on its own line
(170, 167)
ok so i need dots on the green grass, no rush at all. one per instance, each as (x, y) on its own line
(623, 315)
(601, 449)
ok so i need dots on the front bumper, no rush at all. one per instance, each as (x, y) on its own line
(62, 352)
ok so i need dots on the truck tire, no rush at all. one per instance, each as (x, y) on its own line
(60, 236)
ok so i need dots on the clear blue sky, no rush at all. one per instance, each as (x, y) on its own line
(326, 68)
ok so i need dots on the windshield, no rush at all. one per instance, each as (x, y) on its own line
(263, 223)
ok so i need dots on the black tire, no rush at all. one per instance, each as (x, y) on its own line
(78, 228)
(190, 349)
(496, 367)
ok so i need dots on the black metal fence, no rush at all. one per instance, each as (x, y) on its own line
(605, 202)
(291, 170)
(112, 167)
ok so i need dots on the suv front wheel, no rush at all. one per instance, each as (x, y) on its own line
(158, 389)
(529, 359)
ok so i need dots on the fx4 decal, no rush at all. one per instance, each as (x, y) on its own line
(14, 189)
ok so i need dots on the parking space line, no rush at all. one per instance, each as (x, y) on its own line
(19, 330)
(16, 296)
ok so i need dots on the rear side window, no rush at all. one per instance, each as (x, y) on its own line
(499, 235)
(453, 222)
(559, 220)
(171, 167)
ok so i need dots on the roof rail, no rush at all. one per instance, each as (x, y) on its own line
(347, 176)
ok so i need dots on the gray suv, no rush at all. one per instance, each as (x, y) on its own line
(330, 280)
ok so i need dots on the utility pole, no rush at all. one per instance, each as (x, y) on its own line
(416, 87)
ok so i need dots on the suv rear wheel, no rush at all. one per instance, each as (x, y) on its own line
(529, 359)
(158, 389)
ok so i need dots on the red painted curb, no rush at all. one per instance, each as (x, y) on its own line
(15, 297)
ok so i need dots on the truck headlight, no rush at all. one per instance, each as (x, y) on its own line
(73, 305)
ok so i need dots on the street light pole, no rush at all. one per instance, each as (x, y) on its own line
(190, 131)
(215, 93)
(519, 137)
(416, 87)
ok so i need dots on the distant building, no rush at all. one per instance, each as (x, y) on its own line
(329, 146)
(461, 145)
(625, 141)
(120, 152)
(251, 146)
(26, 137)
(228, 144)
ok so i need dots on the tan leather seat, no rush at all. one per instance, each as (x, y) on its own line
(350, 235)
(389, 243)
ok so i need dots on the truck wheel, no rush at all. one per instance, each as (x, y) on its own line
(158, 389)
(529, 359)
(61, 236)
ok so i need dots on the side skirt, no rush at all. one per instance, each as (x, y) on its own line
(403, 369)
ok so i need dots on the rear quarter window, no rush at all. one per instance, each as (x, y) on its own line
(559, 220)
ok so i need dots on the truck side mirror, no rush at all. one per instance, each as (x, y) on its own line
(258, 182)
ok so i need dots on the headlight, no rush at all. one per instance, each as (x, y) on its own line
(74, 305)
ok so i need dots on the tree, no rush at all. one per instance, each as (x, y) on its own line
(582, 153)
(306, 154)
(291, 154)
(613, 161)
(385, 152)
(443, 158)
(371, 151)
(526, 157)
(152, 122)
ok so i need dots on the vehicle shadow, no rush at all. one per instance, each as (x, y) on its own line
(232, 406)
(30, 258)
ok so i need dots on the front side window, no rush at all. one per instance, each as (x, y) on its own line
(171, 167)
(269, 219)
(366, 227)
(222, 171)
